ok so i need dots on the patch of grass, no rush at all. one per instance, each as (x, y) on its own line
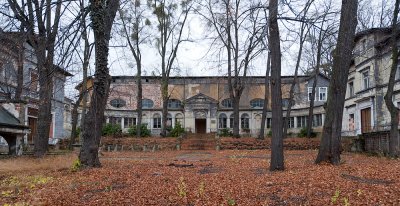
(21, 164)
(76, 165)
(182, 188)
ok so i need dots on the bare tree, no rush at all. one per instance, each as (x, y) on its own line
(277, 158)
(240, 28)
(329, 150)
(304, 29)
(266, 98)
(102, 13)
(134, 23)
(171, 24)
(45, 17)
(394, 148)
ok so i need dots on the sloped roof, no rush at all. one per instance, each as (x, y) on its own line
(7, 118)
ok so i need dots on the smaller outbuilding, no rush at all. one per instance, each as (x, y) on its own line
(12, 131)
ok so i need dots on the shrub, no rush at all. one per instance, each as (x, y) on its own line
(111, 129)
(144, 131)
(303, 132)
(225, 132)
(177, 131)
(269, 134)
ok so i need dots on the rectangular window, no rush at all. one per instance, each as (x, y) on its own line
(290, 122)
(223, 122)
(34, 81)
(398, 73)
(351, 122)
(351, 89)
(323, 93)
(157, 123)
(365, 76)
(317, 120)
(129, 122)
(115, 120)
(310, 93)
(301, 121)
(269, 122)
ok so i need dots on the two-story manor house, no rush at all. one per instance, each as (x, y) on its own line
(365, 109)
(202, 104)
(30, 86)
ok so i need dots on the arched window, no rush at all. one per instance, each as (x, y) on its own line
(174, 104)
(244, 121)
(169, 120)
(157, 121)
(231, 117)
(117, 103)
(227, 103)
(147, 103)
(257, 103)
(179, 118)
(223, 121)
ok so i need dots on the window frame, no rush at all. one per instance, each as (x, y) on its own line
(245, 121)
(325, 93)
(157, 121)
(145, 103)
(222, 121)
(227, 103)
(117, 103)
(351, 88)
(257, 103)
(365, 79)
(309, 92)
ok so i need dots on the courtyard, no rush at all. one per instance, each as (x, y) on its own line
(208, 177)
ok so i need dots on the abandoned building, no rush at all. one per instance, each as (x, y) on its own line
(365, 109)
(27, 113)
(202, 104)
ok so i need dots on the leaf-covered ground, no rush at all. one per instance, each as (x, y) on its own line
(203, 178)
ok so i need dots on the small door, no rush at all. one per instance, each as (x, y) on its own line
(32, 125)
(201, 125)
(366, 120)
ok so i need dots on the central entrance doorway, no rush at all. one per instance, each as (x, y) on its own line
(201, 126)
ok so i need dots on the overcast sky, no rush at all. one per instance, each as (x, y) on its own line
(194, 58)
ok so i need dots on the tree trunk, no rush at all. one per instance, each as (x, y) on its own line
(316, 73)
(276, 93)
(266, 97)
(236, 117)
(45, 68)
(394, 150)
(164, 92)
(20, 65)
(74, 121)
(329, 150)
(139, 100)
(86, 58)
(102, 15)
(292, 86)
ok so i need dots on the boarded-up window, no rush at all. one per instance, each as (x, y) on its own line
(34, 81)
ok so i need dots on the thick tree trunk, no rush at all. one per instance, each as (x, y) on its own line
(394, 150)
(266, 98)
(102, 15)
(329, 150)
(20, 65)
(45, 68)
(236, 117)
(164, 92)
(277, 158)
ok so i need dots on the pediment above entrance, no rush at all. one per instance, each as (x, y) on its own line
(201, 99)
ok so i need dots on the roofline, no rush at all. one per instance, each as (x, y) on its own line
(198, 77)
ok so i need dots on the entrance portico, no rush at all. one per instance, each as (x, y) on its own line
(201, 113)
